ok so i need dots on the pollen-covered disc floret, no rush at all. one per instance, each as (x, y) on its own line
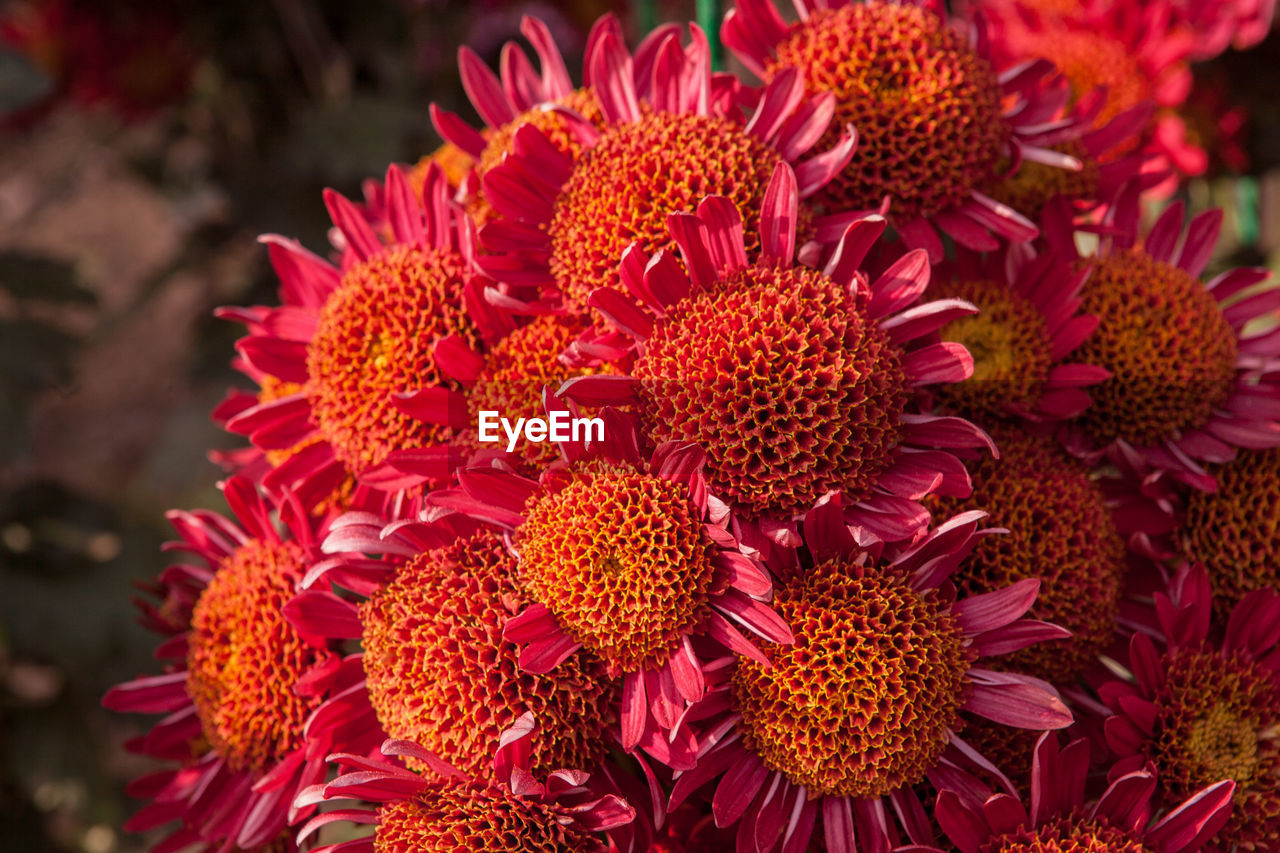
(245, 658)
(1061, 532)
(514, 373)
(619, 556)
(865, 700)
(865, 703)
(1171, 353)
(1009, 342)
(785, 379)
(1202, 712)
(925, 104)
(799, 383)
(1189, 381)
(1074, 833)
(1235, 531)
(444, 810)
(243, 685)
(466, 818)
(374, 339)
(440, 674)
(637, 175)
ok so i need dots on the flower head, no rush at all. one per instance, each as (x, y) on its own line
(1061, 533)
(798, 382)
(244, 683)
(1061, 819)
(1136, 53)
(1187, 383)
(935, 117)
(622, 558)
(1027, 325)
(355, 341)
(445, 810)
(865, 704)
(665, 141)
(440, 674)
(1203, 711)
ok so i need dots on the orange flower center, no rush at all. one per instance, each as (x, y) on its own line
(865, 700)
(514, 375)
(1075, 833)
(780, 376)
(1061, 532)
(1033, 184)
(1234, 531)
(925, 104)
(1009, 343)
(1218, 720)
(1091, 59)
(245, 658)
(625, 187)
(375, 338)
(465, 818)
(440, 674)
(619, 557)
(1171, 353)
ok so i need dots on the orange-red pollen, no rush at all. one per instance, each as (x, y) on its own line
(619, 557)
(926, 106)
(441, 675)
(375, 338)
(467, 818)
(624, 188)
(780, 375)
(1171, 353)
(245, 658)
(1073, 833)
(865, 700)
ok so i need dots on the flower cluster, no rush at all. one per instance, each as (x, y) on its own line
(860, 433)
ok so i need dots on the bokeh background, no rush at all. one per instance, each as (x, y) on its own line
(142, 151)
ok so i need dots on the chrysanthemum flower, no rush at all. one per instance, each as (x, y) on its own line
(1234, 532)
(1186, 385)
(508, 378)
(1108, 151)
(1137, 52)
(518, 96)
(1061, 533)
(243, 684)
(1028, 324)
(865, 705)
(935, 119)
(797, 382)
(1203, 711)
(624, 558)
(437, 669)
(566, 221)
(356, 341)
(1220, 24)
(445, 811)
(1058, 817)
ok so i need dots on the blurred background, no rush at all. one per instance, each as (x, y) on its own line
(142, 151)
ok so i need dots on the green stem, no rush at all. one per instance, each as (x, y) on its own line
(709, 20)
